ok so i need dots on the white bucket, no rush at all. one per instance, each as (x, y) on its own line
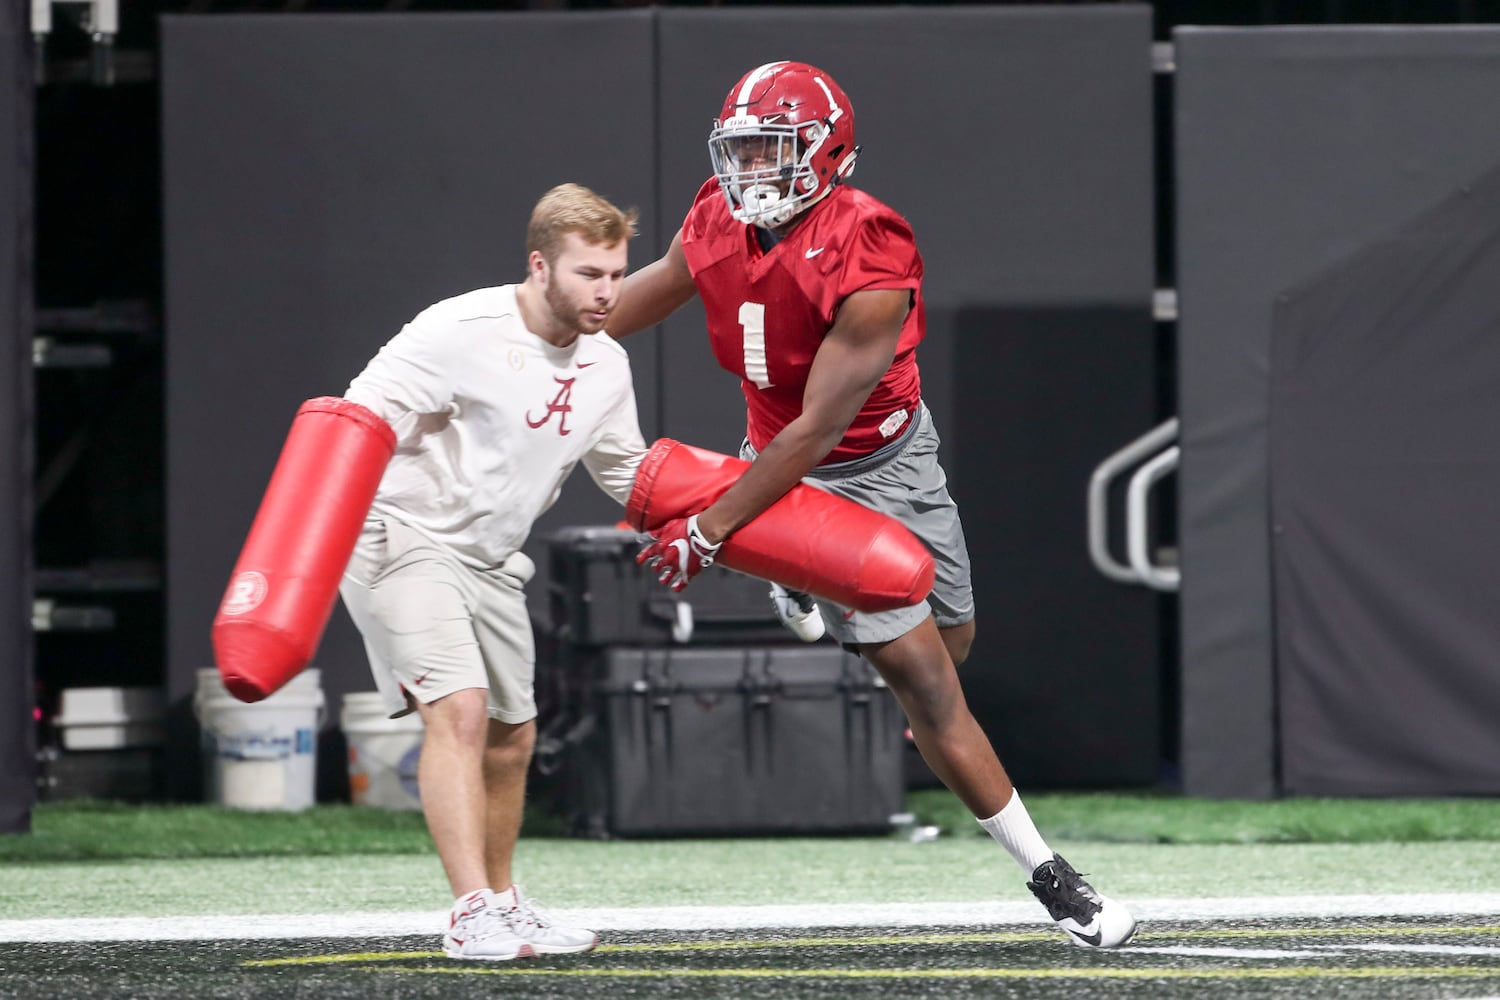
(263, 754)
(100, 718)
(383, 753)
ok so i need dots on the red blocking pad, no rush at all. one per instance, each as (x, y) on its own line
(282, 590)
(809, 540)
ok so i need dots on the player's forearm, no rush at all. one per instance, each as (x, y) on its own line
(788, 457)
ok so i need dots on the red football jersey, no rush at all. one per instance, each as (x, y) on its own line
(768, 312)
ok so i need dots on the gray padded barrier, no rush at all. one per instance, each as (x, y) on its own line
(1385, 539)
(1296, 148)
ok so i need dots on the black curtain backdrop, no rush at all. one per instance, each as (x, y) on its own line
(1064, 672)
(17, 729)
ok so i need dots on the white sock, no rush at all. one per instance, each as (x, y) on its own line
(1013, 830)
(509, 897)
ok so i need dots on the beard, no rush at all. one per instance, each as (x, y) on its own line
(570, 314)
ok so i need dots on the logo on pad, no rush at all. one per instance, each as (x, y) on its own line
(246, 591)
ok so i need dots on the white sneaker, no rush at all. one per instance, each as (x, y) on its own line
(478, 930)
(530, 924)
(798, 612)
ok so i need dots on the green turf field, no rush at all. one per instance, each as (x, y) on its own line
(743, 873)
(154, 860)
(82, 830)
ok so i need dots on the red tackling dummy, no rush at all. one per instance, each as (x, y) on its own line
(809, 540)
(283, 587)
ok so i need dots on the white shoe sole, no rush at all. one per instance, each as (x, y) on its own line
(1102, 937)
(564, 949)
(523, 950)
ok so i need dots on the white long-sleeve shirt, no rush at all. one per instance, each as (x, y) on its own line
(490, 419)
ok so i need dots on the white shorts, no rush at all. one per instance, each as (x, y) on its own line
(433, 626)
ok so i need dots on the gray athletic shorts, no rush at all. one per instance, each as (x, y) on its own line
(905, 481)
(433, 625)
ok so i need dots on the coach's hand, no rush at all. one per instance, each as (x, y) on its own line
(678, 552)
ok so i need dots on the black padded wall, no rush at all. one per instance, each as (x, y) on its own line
(17, 728)
(1017, 141)
(326, 178)
(329, 176)
(1296, 149)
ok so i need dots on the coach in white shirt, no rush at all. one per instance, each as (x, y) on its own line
(495, 396)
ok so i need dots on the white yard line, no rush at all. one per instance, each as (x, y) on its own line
(358, 925)
(1188, 951)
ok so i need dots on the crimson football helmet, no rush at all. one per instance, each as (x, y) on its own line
(783, 140)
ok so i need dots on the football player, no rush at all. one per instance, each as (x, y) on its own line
(812, 291)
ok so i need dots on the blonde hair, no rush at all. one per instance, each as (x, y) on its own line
(573, 208)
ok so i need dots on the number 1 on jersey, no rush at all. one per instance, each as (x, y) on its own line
(753, 322)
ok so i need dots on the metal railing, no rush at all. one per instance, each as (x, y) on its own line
(1154, 456)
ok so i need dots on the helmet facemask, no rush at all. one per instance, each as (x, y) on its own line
(766, 171)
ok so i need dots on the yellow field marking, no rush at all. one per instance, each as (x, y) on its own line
(979, 937)
(587, 972)
(973, 937)
(358, 956)
(679, 947)
(673, 947)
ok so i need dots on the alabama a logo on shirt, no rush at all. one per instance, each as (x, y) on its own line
(559, 405)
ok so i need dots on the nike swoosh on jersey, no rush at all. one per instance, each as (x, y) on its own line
(813, 253)
(586, 364)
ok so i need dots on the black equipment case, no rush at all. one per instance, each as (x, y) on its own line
(714, 740)
(599, 597)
